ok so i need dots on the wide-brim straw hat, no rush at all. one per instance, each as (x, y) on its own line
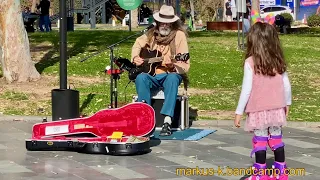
(165, 15)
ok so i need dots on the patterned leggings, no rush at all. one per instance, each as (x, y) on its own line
(279, 154)
(273, 130)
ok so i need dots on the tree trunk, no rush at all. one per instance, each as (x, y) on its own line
(192, 14)
(134, 18)
(255, 6)
(15, 54)
(33, 7)
(224, 16)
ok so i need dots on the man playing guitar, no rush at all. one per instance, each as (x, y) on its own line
(169, 38)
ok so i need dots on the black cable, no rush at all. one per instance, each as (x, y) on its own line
(125, 92)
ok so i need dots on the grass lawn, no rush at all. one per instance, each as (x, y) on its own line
(215, 74)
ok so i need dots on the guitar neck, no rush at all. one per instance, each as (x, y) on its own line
(159, 59)
(153, 60)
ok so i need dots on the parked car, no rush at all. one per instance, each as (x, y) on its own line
(275, 10)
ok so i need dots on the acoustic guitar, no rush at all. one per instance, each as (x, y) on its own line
(152, 60)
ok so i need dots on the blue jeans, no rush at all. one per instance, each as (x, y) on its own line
(246, 24)
(44, 20)
(170, 82)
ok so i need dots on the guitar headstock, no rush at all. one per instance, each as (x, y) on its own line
(182, 57)
(123, 62)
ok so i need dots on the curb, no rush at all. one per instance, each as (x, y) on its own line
(198, 123)
(217, 123)
(23, 118)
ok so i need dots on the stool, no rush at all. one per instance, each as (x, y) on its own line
(180, 121)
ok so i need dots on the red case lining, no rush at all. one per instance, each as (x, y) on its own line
(132, 119)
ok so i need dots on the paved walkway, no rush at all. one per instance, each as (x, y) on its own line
(226, 148)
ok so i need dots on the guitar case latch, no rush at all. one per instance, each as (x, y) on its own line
(128, 145)
(70, 143)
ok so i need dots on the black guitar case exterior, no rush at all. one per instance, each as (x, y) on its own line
(135, 122)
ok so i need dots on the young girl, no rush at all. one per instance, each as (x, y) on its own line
(265, 98)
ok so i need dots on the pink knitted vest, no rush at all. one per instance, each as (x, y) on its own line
(267, 92)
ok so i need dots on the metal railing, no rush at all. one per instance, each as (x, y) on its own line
(86, 9)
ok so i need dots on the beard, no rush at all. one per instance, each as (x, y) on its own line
(164, 31)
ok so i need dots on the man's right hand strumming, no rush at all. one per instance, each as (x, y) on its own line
(138, 61)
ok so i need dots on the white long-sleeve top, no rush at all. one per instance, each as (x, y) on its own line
(247, 86)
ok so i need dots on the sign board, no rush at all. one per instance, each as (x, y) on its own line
(267, 2)
(241, 6)
(129, 4)
(309, 2)
(290, 4)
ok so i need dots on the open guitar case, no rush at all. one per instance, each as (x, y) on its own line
(93, 134)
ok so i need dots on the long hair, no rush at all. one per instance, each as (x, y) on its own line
(263, 44)
(176, 26)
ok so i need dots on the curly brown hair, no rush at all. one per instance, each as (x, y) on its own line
(264, 46)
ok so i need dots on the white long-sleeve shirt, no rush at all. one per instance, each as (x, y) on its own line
(247, 86)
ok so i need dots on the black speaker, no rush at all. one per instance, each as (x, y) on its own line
(65, 104)
(157, 105)
(70, 24)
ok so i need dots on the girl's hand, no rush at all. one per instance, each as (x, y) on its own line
(237, 120)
